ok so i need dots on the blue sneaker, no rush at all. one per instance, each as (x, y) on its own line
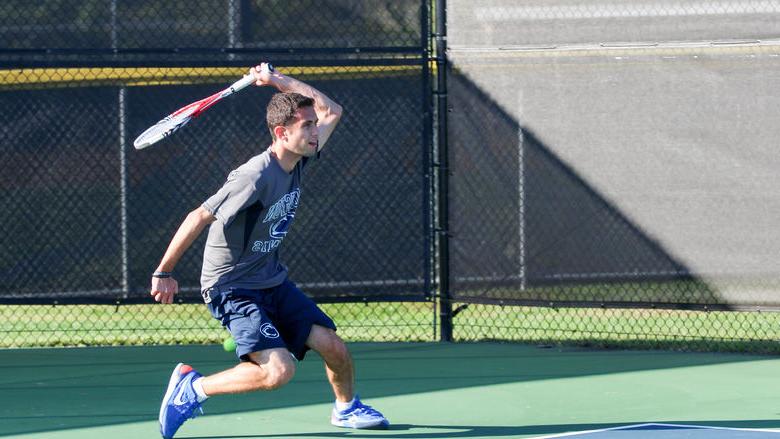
(180, 401)
(358, 415)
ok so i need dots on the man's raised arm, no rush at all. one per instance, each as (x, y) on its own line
(328, 111)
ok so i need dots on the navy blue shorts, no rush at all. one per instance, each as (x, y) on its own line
(278, 317)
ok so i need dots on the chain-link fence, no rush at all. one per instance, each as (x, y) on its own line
(610, 167)
(611, 172)
(91, 216)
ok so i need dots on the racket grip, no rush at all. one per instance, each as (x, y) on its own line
(242, 83)
(246, 81)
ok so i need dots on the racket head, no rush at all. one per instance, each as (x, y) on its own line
(172, 122)
(161, 130)
(180, 117)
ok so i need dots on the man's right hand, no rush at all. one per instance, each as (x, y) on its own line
(164, 289)
(263, 74)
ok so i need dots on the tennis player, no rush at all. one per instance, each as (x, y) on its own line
(243, 282)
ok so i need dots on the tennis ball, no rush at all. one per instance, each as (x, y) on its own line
(229, 345)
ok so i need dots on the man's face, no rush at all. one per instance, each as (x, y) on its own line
(302, 133)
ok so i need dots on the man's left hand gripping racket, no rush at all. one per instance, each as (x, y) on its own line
(180, 117)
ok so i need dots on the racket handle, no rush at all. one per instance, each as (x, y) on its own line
(246, 81)
(242, 83)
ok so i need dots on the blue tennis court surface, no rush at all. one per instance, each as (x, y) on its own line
(669, 431)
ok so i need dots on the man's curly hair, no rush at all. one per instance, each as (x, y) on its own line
(282, 107)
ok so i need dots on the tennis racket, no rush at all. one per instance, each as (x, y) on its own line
(180, 117)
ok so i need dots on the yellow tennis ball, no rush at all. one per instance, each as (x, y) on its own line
(229, 345)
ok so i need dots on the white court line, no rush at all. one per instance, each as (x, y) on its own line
(574, 433)
(655, 424)
(632, 10)
(764, 430)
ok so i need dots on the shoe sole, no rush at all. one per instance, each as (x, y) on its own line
(175, 377)
(383, 424)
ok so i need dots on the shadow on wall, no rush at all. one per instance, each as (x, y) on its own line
(527, 228)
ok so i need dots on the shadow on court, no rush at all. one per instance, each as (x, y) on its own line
(59, 389)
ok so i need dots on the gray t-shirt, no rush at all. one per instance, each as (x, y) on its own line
(254, 211)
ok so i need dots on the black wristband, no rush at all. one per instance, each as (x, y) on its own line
(162, 274)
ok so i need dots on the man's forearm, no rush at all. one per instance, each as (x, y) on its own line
(189, 230)
(328, 111)
(322, 103)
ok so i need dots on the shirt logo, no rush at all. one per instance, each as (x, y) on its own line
(288, 203)
(280, 216)
(278, 229)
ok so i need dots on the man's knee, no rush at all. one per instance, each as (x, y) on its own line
(330, 345)
(274, 369)
(339, 349)
(280, 373)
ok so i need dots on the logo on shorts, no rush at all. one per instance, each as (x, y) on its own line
(269, 331)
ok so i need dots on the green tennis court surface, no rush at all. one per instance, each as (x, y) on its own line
(427, 390)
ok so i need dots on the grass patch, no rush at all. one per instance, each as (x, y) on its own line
(732, 331)
(103, 325)
(153, 324)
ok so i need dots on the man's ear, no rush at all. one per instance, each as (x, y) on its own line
(280, 131)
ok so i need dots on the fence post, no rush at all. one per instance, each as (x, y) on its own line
(122, 133)
(442, 173)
